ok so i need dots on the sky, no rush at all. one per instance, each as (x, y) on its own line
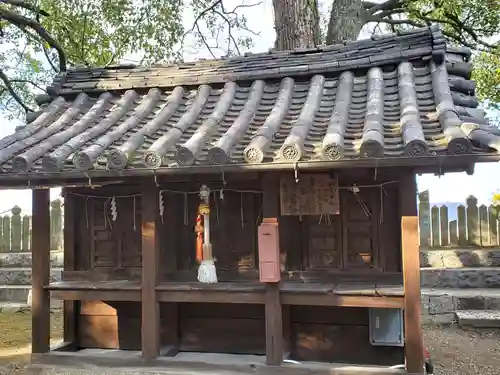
(452, 187)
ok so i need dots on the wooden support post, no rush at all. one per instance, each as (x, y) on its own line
(414, 347)
(273, 308)
(40, 271)
(71, 308)
(150, 327)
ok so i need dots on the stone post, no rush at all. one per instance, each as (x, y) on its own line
(424, 213)
(56, 225)
(6, 234)
(25, 243)
(15, 229)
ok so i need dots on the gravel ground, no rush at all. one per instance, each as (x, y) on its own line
(454, 351)
(463, 352)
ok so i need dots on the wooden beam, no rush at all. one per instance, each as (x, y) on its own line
(40, 271)
(210, 296)
(150, 327)
(273, 310)
(308, 299)
(70, 308)
(274, 326)
(411, 272)
(96, 295)
(414, 347)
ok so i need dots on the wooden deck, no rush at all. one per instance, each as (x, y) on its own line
(196, 363)
(348, 294)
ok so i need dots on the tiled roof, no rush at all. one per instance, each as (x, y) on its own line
(397, 96)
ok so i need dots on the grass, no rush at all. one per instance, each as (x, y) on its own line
(15, 339)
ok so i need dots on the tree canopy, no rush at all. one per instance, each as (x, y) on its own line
(43, 37)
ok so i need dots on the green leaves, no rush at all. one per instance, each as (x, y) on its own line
(471, 23)
(91, 33)
(487, 76)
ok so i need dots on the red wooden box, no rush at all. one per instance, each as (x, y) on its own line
(269, 251)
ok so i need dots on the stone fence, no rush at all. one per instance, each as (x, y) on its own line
(475, 226)
(15, 229)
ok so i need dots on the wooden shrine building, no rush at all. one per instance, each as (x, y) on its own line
(307, 160)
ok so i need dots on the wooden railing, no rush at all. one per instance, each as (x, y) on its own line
(15, 229)
(475, 226)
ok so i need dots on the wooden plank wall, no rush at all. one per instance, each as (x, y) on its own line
(331, 334)
(354, 240)
(337, 334)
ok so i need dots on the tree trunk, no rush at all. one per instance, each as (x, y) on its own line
(346, 21)
(296, 23)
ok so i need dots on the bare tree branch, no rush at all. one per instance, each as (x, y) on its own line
(385, 6)
(203, 39)
(462, 32)
(22, 80)
(49, 60)
(229, 17)
(13, 93)
(23, 22)
(230, 36)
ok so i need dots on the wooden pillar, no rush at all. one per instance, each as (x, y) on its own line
(414, 347)
(150, 327)
(70, 308)
(40, 271)
(274, 314)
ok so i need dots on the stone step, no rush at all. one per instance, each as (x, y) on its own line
(22, 275)
(467, 277)
(440, 305)
(14, 293)
(460, 257)
(24, 259)
(478, 318)
(15, 307)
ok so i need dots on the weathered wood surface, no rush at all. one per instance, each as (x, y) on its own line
(70, 308)
(40, 269)
(317, 246)
(340, 343)
(316, 332)
(414, 347)
(150, 308)
(129, 358)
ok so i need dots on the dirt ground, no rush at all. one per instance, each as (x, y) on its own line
(15, 340)
(463, 352)
(453, 350)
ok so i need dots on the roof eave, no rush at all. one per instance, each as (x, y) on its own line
(443, 164)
